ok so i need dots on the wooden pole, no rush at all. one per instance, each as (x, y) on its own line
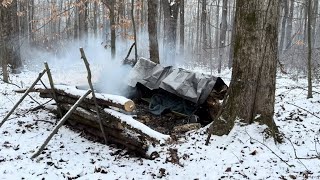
(83, 56)
(22, 98)
(61, 122)
(53, 89)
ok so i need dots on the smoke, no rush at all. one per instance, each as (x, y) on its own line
(108, 75)
(67, 67)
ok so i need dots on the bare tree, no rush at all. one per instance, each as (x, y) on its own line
(285, 10)
(9, 37)
(152, 30)
(170, 12)
(310, 18)
(251, 95)
(181, 27)
(223, 32)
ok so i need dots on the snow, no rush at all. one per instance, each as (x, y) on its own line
(246, 153)
(162, 138)
(73, 90)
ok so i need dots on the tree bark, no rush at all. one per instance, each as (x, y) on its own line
(134, 32)
(289, 26)
(251, 95)
(285, 10)
(170, 12)
(152, 30)
(231, 53)
(9, 37)
(223, 32)
(310, 19)
(182, 27)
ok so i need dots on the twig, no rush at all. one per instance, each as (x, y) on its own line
(295, 153)
(270, 150)
(129, 52)
(21, 99)
(20, 87)
(61, 122)
(83, 56)
(44, 121)
(304, 110)
(307, 89)
(33, 109)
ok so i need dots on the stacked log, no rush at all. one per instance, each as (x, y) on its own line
(120, 128)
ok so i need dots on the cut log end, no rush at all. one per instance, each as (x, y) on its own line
(129, 106)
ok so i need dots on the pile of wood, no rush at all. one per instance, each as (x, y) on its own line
(119, 127)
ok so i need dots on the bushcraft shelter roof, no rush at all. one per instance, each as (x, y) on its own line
(186, 84)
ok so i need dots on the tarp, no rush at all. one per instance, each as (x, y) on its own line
(192, 86)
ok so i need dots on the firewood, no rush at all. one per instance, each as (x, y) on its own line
(186, 127)
(117, 130)
(104, 100)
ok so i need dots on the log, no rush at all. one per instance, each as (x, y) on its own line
(103, 100)
(117, 132)
(186, 127)
(116, 120)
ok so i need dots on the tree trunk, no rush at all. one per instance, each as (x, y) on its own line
(112, 29)
(198, 29)
(251, 94)
(76, 24)
(134, 32)
(283, 24)
(204, 25)
(314, 20)
(310, 19)
(83, 21)
(181, 27)
(170, 12)
(152, 30)
(223, 32)
(289, 26)
(217, 29)
(231, 53)
(9, 38)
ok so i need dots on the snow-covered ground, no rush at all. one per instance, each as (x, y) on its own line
(244, 154)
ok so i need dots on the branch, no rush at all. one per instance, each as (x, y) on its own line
(290, 165)
(83, 56)
(61, 122)
(22, 98)
(304, 110)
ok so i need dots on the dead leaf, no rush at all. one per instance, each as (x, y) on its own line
(253, 152)
(292, 176)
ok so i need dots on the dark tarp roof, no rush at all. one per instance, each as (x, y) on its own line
(189, 85)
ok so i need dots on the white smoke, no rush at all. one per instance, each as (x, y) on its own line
(67, 67)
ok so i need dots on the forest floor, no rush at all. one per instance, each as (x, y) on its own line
(246, 153)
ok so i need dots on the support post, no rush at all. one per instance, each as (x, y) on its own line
(60, 123)
(83, 56)
(22, 98)
(53, 89)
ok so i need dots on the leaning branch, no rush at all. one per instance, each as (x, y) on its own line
(83, 56)
(61, 122)
(22, 98)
